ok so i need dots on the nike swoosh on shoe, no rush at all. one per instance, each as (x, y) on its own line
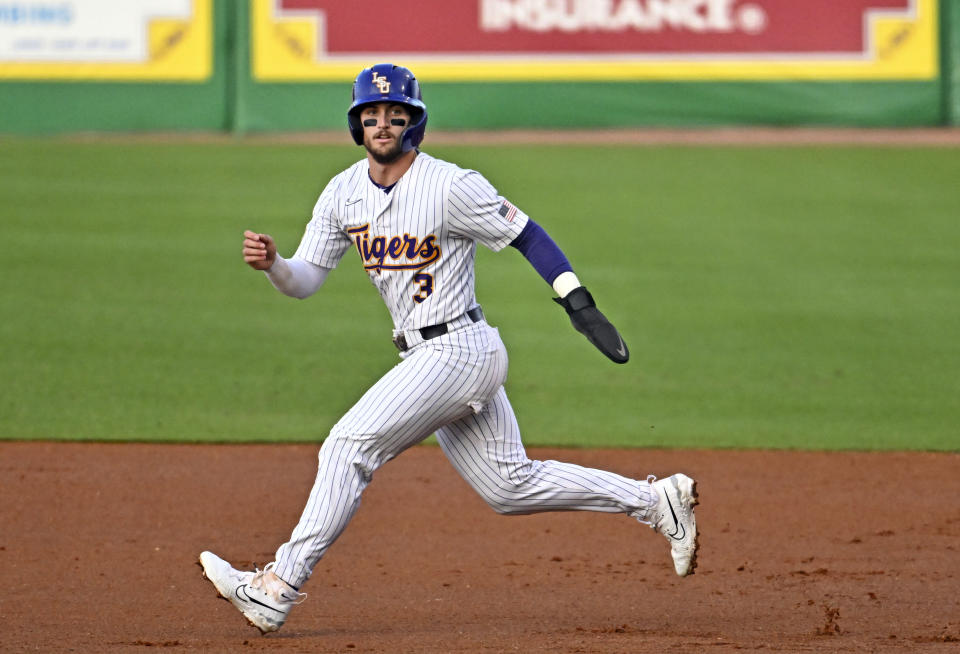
(246, 598)
(678, 527)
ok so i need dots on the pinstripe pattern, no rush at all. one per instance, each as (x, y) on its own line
(451, 385)
(486, 450)
(457, 206)
(438, 382)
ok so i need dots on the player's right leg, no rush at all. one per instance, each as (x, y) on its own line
(438, 382)
(263, 598)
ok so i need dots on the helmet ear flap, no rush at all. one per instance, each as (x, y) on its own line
(413, 135)
(356, 129)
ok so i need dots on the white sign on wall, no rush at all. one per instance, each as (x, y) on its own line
(82, 30)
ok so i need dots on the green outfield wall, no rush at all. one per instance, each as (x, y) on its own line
(950, 67)
(259, 70)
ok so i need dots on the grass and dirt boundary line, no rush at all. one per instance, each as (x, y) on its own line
(775, 136)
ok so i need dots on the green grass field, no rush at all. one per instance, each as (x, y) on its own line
(771, 297)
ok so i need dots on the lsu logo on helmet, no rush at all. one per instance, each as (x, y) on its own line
(382, 82)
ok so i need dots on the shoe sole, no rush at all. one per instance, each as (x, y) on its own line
(694, 499)
(226, 599)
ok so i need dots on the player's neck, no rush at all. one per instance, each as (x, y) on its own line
(389, 174)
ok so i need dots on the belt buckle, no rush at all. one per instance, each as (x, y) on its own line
(401, 342)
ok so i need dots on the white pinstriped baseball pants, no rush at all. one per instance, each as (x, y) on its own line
(451, 385)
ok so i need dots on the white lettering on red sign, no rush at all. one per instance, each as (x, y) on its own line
(616, 15)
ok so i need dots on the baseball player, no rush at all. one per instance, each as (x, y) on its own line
(415, 222)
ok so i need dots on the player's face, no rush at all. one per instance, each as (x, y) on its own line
(383, 125)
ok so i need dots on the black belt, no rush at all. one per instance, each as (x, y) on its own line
(475, 315)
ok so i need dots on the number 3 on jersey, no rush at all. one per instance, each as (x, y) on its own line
(426, 286)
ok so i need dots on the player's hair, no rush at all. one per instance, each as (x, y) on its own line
(389, 83)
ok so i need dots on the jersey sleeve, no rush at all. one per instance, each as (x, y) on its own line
(324, 242)
(478, 212)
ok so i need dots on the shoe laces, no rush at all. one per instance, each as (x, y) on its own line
(658, 515)
(267, 581)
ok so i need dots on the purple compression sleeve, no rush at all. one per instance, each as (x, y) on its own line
(540, 250)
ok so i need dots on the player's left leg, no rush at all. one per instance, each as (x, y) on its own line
(487, 451)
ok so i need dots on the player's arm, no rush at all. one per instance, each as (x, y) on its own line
(294, 277)
(550, 262)
(476, 211)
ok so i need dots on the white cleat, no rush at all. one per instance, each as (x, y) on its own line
(262, 597)
(675, 520)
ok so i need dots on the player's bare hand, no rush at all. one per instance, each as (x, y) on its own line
(259, 250)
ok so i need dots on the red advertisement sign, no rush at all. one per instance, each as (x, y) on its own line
(471, 28)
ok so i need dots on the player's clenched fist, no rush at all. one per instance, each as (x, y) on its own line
(259, 250)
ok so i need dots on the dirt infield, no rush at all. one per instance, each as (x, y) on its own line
(844, 552)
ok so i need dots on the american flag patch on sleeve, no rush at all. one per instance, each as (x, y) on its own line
(507, 210)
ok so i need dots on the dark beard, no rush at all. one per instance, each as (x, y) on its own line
(389, 156)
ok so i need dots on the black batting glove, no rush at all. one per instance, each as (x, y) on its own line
(587, 319)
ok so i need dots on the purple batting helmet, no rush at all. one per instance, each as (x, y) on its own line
(389, 83)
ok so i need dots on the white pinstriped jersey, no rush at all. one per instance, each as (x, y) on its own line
(417, 242)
